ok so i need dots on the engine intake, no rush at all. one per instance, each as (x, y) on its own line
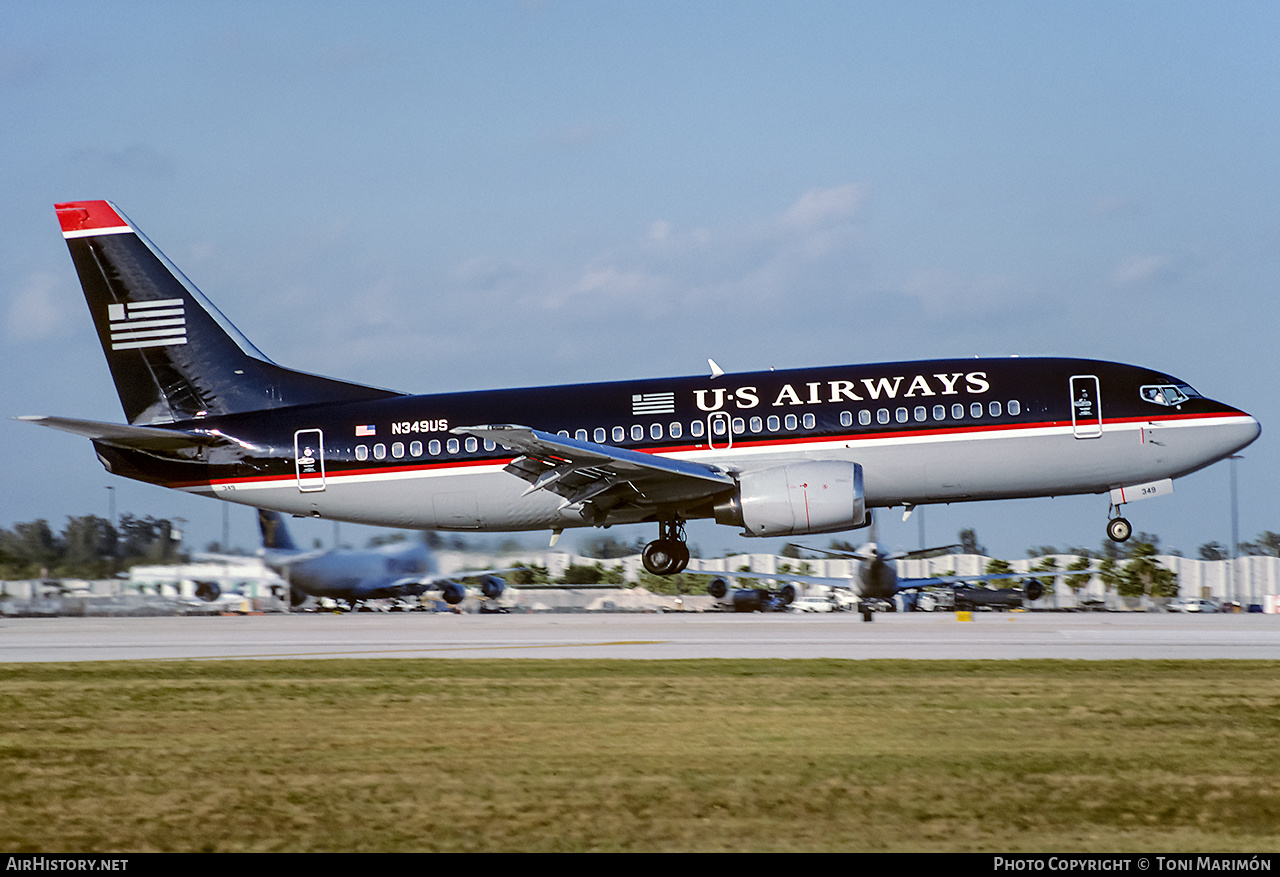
(797, 500)
(492, 587)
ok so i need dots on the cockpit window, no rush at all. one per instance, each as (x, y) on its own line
(1167, 394)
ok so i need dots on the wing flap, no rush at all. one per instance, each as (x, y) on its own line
(581, 471)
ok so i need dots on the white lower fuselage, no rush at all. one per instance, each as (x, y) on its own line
(937, 467)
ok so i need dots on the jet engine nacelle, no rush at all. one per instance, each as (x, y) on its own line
(452, 593)
(752, 599)
(208, 591)
(492, 587)
(797, 500)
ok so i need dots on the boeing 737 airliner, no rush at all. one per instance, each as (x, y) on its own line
(777, 453)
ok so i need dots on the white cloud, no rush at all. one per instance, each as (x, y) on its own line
(797, 252)
(1139, 270)
(39, 309)
(945, 293)
(824, 206)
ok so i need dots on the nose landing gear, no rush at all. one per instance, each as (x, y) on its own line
(1118, 528)
(668, 554)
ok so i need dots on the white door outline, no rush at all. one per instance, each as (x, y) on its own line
(308, 456)
(1086, 406)
(719, 417)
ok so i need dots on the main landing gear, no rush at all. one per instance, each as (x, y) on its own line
(668, 554)
(1118, 528)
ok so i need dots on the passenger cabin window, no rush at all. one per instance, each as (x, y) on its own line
(1015, 407)
(939, 412)
(882, 415)
(757, 424)
(864, 417)
(655, 431)
(696, 429)
(619, 434)
(397, 450)
(452, 446)
(434, 447)
(637, 432)
(810, 421)
(774, 423)
(581, 435)
(676, 430)
(599, 435)
(472, 444)
(362, 452)
(791, 422)
(379, 451)
(975, 409)
(415, 449)
(957, 411)
(846, 418)
(994, 409)
(921, 414)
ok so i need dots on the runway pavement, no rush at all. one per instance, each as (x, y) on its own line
(999, 636)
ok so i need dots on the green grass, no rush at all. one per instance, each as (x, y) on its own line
(640, 755)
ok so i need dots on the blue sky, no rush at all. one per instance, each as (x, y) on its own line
(451, 196)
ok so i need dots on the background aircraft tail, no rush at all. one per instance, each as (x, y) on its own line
(275, 535)
(173, 355)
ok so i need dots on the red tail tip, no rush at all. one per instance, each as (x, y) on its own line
(88, 215)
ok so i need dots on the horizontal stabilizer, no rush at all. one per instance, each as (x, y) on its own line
(145, 438)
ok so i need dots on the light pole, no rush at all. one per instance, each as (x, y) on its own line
(1235, 530)
(115, 534)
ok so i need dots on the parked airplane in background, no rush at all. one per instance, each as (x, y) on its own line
(400, 569)
(776, 453)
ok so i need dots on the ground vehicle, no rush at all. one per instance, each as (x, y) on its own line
(813, 604)
(1193, 604)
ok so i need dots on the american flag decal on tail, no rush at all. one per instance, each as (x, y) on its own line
(653, 403)
(147, 324)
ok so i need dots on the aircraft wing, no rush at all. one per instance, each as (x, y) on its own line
(846, 582)
(581, 471)
(910, 584)
(852, 582)
(467, 574)
(146, 438)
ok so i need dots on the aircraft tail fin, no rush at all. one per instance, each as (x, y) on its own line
(275, 535)
(173, 355)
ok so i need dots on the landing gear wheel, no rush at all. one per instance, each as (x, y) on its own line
(665, 557)
(681, 553)
(669, 553)
(1119, 530)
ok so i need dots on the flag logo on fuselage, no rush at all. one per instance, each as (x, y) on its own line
(653, 403)
(147, 324)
